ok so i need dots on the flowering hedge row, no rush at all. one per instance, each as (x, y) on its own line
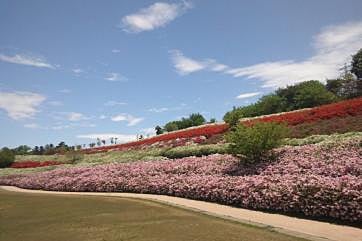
(343, 109)
(32, 164)
(190, 133)
(313, 180)
(346, 108)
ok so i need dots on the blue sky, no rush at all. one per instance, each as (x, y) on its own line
(76, 70)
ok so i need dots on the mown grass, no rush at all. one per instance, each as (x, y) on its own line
(41, 217)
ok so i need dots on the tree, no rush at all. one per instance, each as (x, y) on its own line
(21, 150)
(171, 126)
(232, 117)
(312, 93)
(7, 157)
(269, 104)
(212, 120)
(158, 130)
(196, 119)
(104, 142)
(357, 64)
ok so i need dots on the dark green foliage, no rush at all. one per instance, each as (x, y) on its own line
(212, 120)
(171, 126)
(253, 144)
(357, 64)
(158, 130)
(194, 150)
(195, 119)
(7, 157)
(312, 93)
(303, 95)
(21, 150)
(232, 117)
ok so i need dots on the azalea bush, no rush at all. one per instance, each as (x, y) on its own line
(253, 143)
(346, 108)
(313, 180)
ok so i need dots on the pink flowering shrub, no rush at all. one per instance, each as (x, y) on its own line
(317, 181)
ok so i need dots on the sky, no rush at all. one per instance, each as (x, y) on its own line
(75, 71)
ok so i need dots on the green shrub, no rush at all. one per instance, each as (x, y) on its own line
(253, 144)
(6, 157)
(74, 156)
(194, 150)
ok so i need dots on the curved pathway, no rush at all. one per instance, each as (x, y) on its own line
(309, 229)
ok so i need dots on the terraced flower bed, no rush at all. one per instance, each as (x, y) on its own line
(322, 181)
(347, 116)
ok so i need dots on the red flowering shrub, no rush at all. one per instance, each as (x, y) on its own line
(346, 108)
(33, 164)
(206, 131)
(343, 109)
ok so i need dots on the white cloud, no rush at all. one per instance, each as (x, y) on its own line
(121, 138)
(26, 60)
(116, 51)
(158, 110)
(149, 131)
(114, 103)
(185, 65)
(333, 46)
(115, 77)
(20, 105)
(248, 95)
(78, 71)
(155, 16)
(75, 116)
(131, 120)
(102, 117)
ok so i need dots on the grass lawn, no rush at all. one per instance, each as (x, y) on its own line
(40, 217)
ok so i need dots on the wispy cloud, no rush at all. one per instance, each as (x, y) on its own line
(78, 71)
(75, 116)
(158, 110)
(247, 95)
(121, 138)
(26, 60)
(149, 131)
(333, 46)
(185, 65)
(116, 51)
(131, 120)
(114, 103)
(155, 16)
(20, 105)
(115, 77)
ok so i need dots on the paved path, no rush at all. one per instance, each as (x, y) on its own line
(313, 230)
